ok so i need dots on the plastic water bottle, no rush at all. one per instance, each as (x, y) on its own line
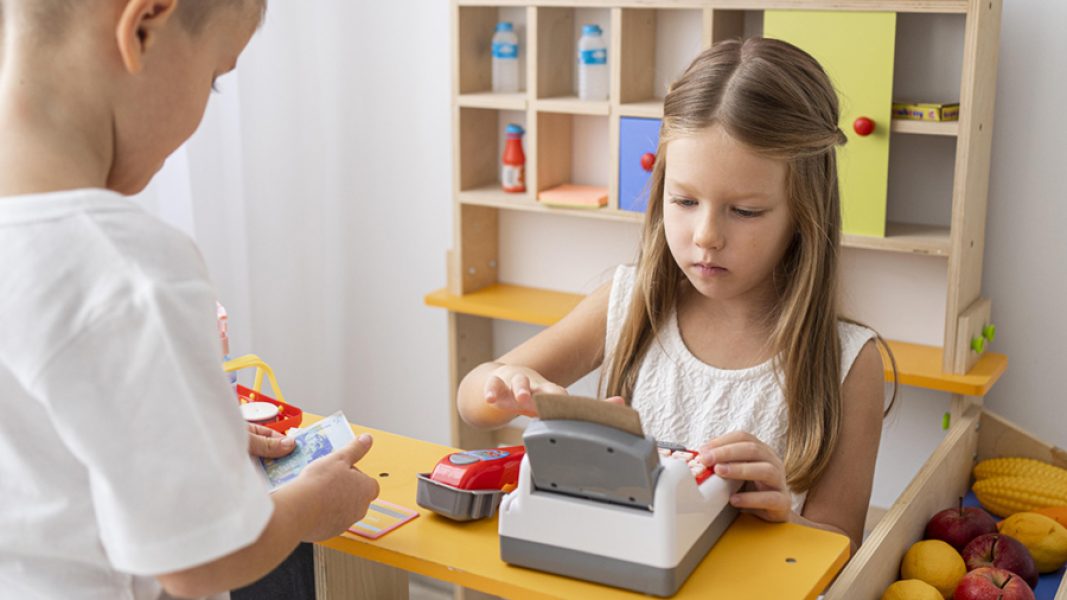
(505, 59)
(592, 64)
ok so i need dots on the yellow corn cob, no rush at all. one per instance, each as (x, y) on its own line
(1005, 496)
(1019, 467)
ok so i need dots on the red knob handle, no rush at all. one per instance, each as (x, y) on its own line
(863, 126)
(648, 160)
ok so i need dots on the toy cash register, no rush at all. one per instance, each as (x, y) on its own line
(598, 500)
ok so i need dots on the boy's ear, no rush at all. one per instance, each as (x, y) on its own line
(139, 24)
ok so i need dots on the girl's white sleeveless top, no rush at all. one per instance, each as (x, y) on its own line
(686, 401)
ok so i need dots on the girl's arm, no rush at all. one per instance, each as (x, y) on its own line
(839, 500)
(495, 392)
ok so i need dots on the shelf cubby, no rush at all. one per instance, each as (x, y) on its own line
(654, 48)
(556, 73)
(571, 149)
(924, 197)
(928, 59)
(474, 59)
(480, 147)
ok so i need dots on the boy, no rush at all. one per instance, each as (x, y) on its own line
(124, 468)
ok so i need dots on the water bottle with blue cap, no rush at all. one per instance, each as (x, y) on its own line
(505, 59)
(592, 64)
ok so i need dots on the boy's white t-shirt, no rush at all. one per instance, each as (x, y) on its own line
(122, 451)
(686, 401)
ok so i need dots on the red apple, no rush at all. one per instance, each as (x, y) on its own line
(1002, 552)
(987, 583)
(958, 526)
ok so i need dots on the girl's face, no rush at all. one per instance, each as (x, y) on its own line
(726, 215)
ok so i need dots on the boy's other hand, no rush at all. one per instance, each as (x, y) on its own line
(341, 491)
(264, 442)
(511, 389)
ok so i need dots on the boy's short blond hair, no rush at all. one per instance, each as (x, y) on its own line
(51, 17)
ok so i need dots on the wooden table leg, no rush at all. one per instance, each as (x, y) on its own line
(340, 576)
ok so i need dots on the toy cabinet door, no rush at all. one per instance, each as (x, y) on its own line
(857, 50)
(637, 137)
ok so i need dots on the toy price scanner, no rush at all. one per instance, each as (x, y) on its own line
(598, 500)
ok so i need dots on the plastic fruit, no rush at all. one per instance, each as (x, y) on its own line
(1004, 496)
(1003, 552)
(988, 583)
(911, 589)
(1059, 513)
(1043, 537)
(958, 526)
(935, 563)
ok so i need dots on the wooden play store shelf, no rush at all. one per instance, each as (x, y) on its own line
(918, 365)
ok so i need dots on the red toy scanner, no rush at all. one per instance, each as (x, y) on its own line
(465, 486)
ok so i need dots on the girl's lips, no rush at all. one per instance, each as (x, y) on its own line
(710, 270)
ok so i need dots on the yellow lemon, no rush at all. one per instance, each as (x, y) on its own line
(936, 563)
(911, 589)
(1043, 537)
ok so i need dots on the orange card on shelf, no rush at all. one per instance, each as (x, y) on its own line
(570, 195)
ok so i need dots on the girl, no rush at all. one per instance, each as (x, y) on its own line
(726, 336)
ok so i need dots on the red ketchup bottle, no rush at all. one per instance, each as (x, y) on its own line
(513, 170)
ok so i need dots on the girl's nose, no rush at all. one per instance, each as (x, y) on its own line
(709, 234)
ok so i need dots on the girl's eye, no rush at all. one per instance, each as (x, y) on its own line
(747, 214)
(686, 202)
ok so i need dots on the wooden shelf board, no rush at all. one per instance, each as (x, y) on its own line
(909, 238)
(649, 109)
(949, 128)
(493, 100)
(918, 365)
(573, 106)
(509, 302)
(495, 197)
(906, 6)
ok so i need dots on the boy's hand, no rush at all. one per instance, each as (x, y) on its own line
(342, 491)
(264, 442)
(511, 389)
(742, 456)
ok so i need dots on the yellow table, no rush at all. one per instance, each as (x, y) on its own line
(753, 559)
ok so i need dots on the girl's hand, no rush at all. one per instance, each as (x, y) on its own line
(742, 456)
(511, 389)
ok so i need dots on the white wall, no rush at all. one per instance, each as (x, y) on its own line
(1026, 236)
(342, 109)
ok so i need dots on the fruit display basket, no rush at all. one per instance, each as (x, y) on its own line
(978, 435)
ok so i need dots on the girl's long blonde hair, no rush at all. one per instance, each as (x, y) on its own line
(777, 100)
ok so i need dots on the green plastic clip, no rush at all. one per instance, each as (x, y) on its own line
(989, 332)
(946, 420)
(978, 344)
